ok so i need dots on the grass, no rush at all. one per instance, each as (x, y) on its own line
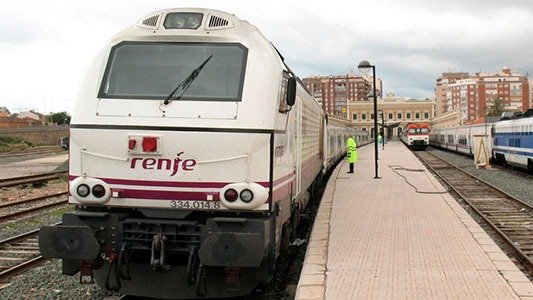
(8, 144)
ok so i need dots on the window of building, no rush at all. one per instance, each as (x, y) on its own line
(426, 115)
(417, 115)
(408, 115)
(399, 116)
(372, 116)
(363, 116)
(354, 116)
(390, 116)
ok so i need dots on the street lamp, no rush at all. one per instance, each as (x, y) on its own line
(382, 128)
(364, 67)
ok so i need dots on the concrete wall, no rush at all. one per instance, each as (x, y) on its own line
(38, 135)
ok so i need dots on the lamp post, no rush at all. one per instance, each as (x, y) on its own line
(382, 113)
(364, 66)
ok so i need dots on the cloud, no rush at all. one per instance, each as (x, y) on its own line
(45, 49)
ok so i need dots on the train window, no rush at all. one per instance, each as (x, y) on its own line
(450, 139)
(153, 70)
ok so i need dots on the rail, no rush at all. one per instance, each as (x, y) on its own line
(510, 217)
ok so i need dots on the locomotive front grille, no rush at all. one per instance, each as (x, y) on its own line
(181, 236)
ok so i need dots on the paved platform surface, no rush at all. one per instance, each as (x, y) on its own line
(380, 239)
(24, 166)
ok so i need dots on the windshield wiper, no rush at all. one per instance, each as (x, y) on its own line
(186, 83)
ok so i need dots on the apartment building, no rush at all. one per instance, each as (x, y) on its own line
(474, 95)
(442, 85)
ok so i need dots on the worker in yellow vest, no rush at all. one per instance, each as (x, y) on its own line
(351, 152)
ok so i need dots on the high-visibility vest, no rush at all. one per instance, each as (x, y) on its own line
(351, 149)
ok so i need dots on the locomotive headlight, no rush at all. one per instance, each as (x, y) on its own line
(194, 22)
(83, 190)
(183, 20)
(247, 195)
(87, 190)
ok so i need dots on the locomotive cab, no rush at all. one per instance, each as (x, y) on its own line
(187, 160)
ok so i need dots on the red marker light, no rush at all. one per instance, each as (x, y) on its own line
(231, 195)
(131, 144)
(149, 144)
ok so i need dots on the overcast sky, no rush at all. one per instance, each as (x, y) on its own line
(45, 46)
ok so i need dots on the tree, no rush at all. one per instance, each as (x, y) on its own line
(496, 107)
(60, 118)
(4, 111)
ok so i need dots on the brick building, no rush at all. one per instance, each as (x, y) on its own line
(335, 92)
(474, 95)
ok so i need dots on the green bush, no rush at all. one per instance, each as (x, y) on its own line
(8, 143)
(10, 140)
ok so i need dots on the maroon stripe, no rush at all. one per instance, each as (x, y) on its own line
(166, 195)
(282, 192)
(165, 183)
(182, 184)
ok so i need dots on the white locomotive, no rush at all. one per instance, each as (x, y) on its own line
(193, 150)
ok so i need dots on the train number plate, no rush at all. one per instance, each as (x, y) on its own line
(195, 204)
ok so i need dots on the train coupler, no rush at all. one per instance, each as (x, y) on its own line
(86, 272)
(158, 257)
(232, 278)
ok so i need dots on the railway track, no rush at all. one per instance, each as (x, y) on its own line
(510, 217)
(18, 254)
(14, 181)
(16, 209)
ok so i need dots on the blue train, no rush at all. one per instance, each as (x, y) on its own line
(506, 142)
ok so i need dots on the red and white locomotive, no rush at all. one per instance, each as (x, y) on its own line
(416, 135)
(193, 149)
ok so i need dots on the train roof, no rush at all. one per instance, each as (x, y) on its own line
(527, 114)
(417, 125)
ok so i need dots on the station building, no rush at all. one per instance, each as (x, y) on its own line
(394, 113)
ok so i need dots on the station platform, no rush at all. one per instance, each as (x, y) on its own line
(381, 239)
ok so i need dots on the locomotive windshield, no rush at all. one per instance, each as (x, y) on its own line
(418, 131)
(142, 70)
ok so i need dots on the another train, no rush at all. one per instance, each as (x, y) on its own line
(416, 135)
(506, 142)
(193, 151)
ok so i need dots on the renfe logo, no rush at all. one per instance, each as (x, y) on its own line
(164, 164)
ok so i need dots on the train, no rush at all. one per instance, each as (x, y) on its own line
(416, 135)
(508, 142)
(194, 149)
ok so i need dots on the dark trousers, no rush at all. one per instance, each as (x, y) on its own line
(351, 168)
